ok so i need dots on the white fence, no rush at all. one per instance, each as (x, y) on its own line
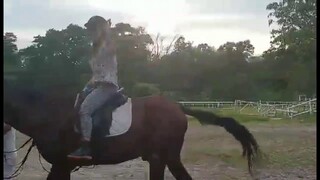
(265, 108)
(303, 108)
(209, 104)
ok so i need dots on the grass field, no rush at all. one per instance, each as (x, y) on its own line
(210, 152)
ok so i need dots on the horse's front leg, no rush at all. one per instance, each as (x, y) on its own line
(59, 171)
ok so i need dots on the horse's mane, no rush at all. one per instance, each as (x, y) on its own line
(18, 93)
(46, 104)
(21, 93)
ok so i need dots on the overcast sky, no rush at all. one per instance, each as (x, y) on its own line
(202, 21)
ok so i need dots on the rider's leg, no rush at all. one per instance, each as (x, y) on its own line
(93, 101)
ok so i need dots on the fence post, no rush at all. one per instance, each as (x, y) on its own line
(310, 107)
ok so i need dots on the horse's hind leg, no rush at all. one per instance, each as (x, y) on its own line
(174, 161)
(157, 167)
(178, 170)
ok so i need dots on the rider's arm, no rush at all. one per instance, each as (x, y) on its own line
(89, 85)
(111, 47)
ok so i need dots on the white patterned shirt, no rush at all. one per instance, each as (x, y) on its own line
(104, 67)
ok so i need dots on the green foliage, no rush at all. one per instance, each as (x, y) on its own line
(10, 58)
(297, 24)
(145, 89)
(294, 43)
(57, 59)
(186, 72)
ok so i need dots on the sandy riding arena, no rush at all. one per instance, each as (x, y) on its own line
(210, 153)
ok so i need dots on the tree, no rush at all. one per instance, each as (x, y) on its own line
(181, 45)
(132, 53)
(244, 48)
(294, 42)
(58, 58)
(145, 89)
(296, 32)
(10, 50)
(159, 49)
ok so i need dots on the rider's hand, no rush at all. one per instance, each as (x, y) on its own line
(87, 89)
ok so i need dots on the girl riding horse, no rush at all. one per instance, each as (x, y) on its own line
(104, 81)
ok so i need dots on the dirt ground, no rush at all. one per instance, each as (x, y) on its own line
(211, 153)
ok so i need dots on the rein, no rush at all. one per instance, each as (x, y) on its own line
(17, 173)
(19, 147)
(42, 164)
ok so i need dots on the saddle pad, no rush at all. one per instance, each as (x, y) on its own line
(121, 119)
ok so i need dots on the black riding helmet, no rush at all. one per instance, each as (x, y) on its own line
(96, 22)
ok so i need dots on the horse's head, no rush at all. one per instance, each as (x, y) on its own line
(98, 28)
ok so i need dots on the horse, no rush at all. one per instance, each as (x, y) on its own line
(156, 133)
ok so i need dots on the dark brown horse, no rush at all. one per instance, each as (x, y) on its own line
(157, 131)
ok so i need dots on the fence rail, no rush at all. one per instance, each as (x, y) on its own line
(303, 108)
(209, 104)
(265, 108)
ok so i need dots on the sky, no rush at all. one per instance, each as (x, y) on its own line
(214, 22)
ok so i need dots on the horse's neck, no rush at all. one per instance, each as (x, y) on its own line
(43, 120)
(57, 114)
(55, 132)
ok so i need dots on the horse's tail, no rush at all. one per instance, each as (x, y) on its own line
(241, 133)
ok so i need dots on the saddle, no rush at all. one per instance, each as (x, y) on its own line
(102, 117)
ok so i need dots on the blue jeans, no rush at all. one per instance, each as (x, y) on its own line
(92, 102)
